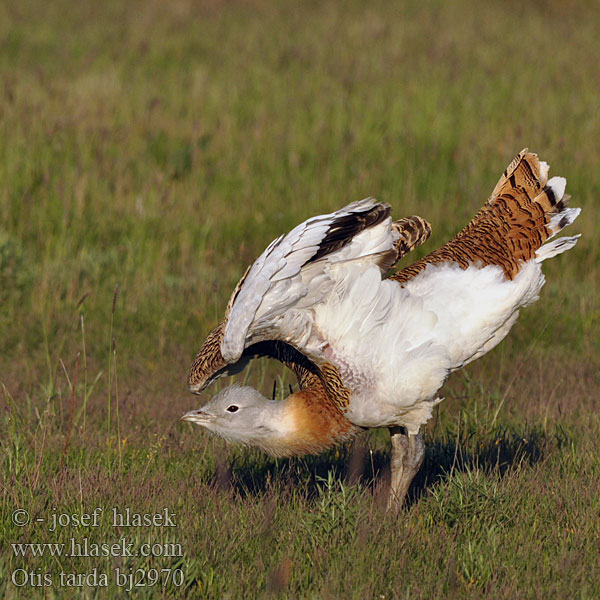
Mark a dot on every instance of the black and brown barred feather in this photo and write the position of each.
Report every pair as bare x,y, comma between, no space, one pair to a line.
209,360
413,231
522,174
209,364
510,227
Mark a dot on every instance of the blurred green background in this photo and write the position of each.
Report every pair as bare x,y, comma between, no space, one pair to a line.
159,146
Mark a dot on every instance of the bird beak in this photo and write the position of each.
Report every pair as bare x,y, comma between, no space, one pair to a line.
198,416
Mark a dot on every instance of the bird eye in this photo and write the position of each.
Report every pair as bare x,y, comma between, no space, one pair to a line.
233,408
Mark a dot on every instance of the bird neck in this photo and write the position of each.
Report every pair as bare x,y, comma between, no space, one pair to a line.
307,423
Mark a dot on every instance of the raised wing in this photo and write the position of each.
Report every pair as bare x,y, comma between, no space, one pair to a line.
293,274
271,303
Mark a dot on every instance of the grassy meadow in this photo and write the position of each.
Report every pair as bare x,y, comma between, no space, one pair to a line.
148,152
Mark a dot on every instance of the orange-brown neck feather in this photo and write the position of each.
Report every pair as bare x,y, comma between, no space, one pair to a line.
310,423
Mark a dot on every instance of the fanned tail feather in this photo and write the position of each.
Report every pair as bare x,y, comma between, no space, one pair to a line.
526,178
524,211
556,247
554,201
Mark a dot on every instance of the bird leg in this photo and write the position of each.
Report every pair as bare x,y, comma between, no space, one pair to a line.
408,452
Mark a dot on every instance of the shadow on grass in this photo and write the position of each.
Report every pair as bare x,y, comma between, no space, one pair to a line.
500,454
253,473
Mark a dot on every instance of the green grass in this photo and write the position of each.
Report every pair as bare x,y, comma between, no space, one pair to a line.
160,146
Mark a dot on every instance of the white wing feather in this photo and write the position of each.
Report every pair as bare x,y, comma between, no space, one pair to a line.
282,286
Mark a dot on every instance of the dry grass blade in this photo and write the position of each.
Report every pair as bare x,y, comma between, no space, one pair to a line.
72,408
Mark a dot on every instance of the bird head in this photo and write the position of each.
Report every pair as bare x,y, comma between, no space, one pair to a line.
239,414
300,424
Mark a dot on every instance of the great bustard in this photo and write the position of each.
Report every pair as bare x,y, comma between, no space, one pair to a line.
371,351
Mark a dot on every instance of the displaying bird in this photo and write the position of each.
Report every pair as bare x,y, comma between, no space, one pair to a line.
369,350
